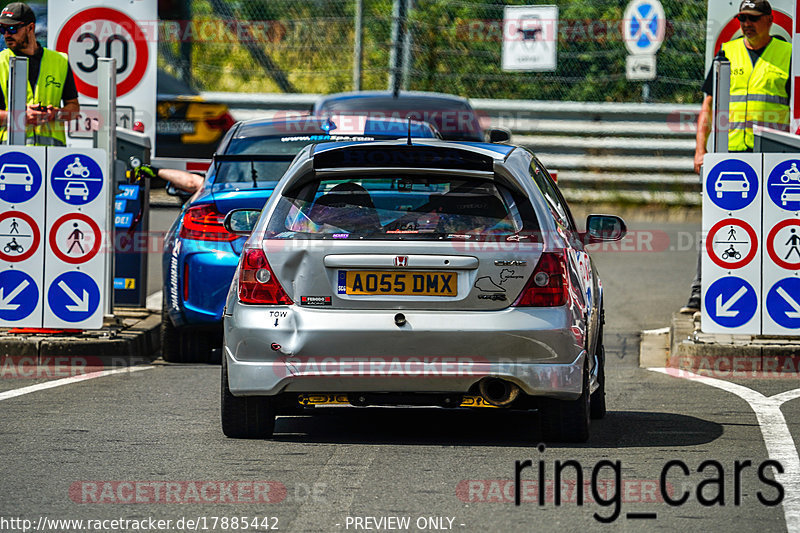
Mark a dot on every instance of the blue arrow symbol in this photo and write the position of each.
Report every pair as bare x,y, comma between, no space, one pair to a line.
791,302
724,309
5,304
81,304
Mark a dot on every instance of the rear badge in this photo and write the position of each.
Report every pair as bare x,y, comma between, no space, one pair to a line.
315,301
510,263
500,297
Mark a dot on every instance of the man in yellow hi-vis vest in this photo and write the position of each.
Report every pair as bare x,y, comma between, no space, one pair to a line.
50,80
760,89
760,82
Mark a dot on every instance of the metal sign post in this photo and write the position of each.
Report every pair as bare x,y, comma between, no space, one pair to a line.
18,99
720,123
106,139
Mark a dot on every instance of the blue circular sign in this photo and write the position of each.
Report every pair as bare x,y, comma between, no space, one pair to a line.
20,177
73,296
783,185
732,184
783,303
644,26
19,295
76,179
731,302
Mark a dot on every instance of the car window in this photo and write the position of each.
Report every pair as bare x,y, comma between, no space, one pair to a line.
400,207
453,118
558,206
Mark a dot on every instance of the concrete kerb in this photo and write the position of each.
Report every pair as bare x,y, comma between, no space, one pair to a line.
135,341
683,346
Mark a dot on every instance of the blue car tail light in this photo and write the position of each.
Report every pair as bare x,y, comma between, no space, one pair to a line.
204,222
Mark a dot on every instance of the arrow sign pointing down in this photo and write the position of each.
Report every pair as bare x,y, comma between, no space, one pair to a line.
81,304
791,302
724,309
5,304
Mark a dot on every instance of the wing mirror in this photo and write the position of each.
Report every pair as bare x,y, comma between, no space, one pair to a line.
241,221
498,135
604,228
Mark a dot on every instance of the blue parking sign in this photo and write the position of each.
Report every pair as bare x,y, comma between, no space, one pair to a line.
76,179
73,296
731,302
20,177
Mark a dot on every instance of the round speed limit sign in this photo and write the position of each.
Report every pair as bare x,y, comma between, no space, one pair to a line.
103,32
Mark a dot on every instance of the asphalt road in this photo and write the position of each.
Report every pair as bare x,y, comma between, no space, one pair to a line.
147,445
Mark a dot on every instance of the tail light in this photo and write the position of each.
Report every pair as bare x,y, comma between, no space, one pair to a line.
548,284
222,122
204,222
257,283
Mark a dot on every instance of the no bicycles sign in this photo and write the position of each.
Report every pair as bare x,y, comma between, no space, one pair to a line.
88,30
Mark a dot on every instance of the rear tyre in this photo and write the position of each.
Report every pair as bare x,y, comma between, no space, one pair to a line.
188,345
597,402
567,420
170,337
245,417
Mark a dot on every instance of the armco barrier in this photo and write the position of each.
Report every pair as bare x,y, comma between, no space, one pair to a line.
602,151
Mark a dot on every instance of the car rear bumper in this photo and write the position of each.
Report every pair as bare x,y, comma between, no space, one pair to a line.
277,349
196,285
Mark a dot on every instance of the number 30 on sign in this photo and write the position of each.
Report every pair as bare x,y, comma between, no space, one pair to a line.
104,32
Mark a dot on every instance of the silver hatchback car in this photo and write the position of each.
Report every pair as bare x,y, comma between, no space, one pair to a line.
415,273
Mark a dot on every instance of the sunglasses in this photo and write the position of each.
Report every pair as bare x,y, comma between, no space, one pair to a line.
11,30
750,18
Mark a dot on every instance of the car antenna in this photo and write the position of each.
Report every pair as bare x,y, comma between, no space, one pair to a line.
409,130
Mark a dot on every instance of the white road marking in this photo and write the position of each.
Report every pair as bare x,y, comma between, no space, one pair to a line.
153,301
658,331
66,381
777,437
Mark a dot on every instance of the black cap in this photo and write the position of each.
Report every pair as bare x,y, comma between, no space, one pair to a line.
755,7
17,13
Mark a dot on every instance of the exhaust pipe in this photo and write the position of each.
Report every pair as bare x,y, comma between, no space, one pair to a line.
498,391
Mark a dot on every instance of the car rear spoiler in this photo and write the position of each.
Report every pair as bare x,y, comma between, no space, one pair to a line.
403,156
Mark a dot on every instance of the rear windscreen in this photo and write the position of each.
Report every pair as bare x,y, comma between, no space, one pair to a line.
454,119
413,207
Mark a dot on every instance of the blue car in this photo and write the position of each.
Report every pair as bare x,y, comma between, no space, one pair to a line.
452,115
200,256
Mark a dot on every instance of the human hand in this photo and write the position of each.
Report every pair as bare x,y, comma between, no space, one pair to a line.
35,114
142,172
698,159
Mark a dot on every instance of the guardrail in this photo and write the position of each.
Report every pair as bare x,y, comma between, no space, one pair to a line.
604,151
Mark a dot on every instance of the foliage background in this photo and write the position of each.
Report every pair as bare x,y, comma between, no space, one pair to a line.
455,48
